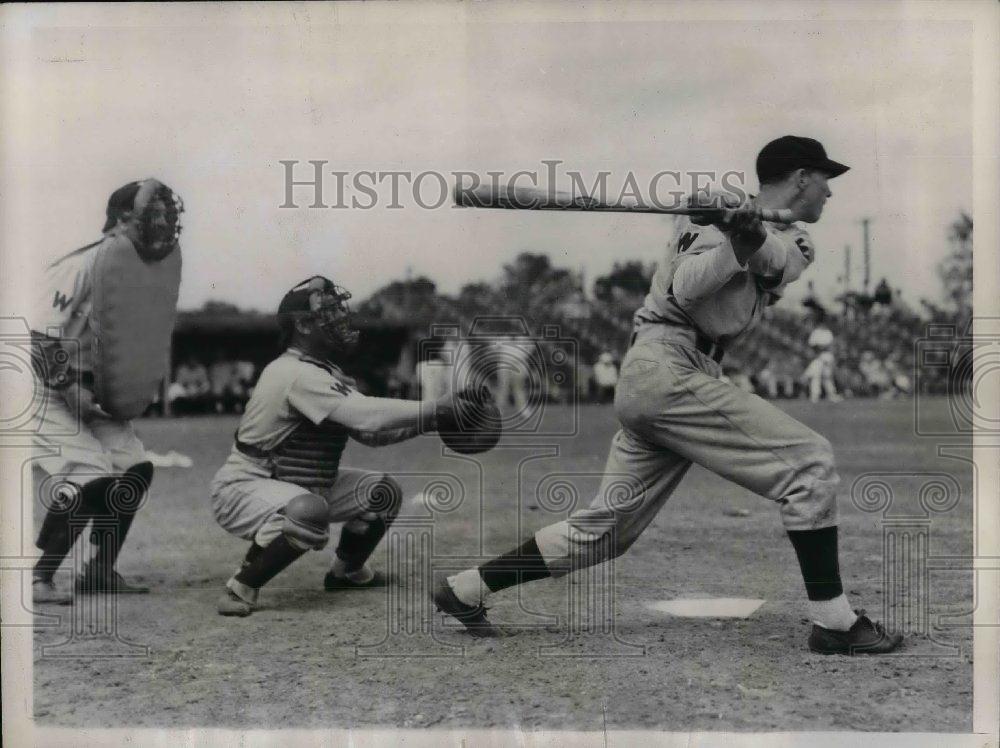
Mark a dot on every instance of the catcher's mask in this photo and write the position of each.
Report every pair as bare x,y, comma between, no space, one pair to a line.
323,303
152,212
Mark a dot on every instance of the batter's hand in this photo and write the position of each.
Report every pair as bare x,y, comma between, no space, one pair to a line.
740,221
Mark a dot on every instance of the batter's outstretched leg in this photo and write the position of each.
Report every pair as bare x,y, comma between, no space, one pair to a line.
638,480
754,444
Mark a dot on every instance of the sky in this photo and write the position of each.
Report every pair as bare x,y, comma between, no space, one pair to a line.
211,100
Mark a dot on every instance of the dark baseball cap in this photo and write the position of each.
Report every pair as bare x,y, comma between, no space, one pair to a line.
300,298
791,152
122,201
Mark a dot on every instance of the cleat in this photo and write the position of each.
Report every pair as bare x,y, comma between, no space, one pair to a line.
91,582
231,604
333,583
44,591
473,618
864,637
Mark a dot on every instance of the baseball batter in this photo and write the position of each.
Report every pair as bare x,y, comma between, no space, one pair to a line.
283,484
89,465
719,274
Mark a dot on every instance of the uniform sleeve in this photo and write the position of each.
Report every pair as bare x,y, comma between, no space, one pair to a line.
65,289
697,275
317,395
799,255
384,420
770,260
320,396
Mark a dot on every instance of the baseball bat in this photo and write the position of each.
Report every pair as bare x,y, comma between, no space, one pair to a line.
511,197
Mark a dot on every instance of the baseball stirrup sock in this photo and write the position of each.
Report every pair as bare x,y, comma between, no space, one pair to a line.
61,527
275,558
817,553
523,564
122,502
835,614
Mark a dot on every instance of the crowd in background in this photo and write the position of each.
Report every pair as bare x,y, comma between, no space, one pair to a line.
563,344
224,386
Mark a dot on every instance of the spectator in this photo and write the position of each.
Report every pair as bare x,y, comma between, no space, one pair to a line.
226,390
512,366
819,373
434,374
767,382
605,377
191,391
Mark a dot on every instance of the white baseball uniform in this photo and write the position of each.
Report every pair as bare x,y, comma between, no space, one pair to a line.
675,410
64,445
296,391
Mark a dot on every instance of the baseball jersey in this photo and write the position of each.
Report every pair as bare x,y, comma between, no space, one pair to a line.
701,284
295,386
63,308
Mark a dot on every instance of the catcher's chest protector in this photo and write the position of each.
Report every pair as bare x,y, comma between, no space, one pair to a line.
134,307
310,455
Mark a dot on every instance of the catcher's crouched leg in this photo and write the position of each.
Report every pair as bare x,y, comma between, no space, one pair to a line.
361,535
302,524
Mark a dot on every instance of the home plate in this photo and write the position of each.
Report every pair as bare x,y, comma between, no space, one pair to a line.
711,607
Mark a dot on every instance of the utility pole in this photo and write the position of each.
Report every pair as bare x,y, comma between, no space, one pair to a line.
867,255
847,268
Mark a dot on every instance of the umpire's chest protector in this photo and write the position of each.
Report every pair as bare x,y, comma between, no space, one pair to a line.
132,318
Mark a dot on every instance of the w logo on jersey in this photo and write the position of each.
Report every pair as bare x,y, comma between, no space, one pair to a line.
340,387
685,242
62,301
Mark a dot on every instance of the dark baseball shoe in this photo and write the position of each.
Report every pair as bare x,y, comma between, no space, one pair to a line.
473,618
45,592
333,583
232,605
864,637
91,582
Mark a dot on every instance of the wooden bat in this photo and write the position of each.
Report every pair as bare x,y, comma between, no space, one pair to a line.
534,198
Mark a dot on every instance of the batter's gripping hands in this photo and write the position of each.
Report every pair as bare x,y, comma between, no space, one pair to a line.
742,222
724,211
469,421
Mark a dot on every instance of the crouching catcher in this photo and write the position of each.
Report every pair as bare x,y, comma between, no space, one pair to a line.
282,485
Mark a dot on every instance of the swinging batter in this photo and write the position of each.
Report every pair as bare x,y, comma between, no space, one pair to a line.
721,270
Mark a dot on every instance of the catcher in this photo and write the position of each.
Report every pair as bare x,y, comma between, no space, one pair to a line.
99,341
282,485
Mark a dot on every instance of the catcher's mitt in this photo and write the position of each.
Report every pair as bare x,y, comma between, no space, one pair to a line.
469,421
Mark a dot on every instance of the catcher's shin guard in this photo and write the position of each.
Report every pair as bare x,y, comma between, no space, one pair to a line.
122,502
260,567
360,536
65,520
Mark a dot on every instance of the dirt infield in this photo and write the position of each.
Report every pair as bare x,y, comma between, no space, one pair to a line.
312,658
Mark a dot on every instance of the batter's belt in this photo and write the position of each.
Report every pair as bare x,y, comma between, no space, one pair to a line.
685,336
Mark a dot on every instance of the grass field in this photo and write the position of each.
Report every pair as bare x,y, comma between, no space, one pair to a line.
312,658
